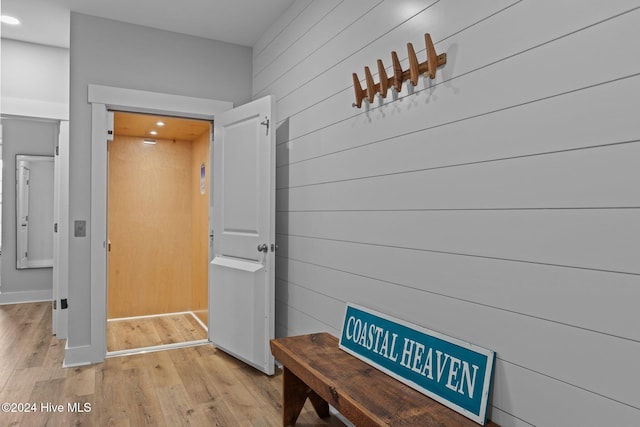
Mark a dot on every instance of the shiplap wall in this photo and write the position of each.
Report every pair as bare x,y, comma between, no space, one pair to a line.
498,203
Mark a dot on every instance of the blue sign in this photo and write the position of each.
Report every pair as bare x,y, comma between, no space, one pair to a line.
453,372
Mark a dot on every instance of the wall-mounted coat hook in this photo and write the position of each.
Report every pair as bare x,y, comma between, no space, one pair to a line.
428,68
385,81
372,88
360,93
397,72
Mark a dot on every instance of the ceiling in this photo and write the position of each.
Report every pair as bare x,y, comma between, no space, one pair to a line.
140,125
240,22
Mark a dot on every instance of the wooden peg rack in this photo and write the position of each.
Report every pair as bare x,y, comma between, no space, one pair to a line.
428,68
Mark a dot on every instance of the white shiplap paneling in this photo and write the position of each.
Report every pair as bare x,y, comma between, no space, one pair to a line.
565,353
602,239
558,67
574,116
337,15
540,181
576,297
279,36
496,203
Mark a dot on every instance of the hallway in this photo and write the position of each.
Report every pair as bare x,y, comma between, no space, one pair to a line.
195,386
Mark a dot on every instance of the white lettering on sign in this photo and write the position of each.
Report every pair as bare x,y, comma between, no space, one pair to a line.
372,337
457,374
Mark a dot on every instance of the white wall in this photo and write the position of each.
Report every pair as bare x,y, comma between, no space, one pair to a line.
33,137
35,80
498,203
117,54
34,85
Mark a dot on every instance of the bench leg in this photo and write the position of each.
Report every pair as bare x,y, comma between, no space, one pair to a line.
294,394
319,404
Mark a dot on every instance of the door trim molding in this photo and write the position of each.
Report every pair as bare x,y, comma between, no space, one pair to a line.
102,99
141,101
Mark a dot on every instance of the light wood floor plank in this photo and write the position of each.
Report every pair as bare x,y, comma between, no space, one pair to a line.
127,334
191,386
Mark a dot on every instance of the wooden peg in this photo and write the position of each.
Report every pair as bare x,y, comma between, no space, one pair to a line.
432,57
397,72
414,66
360,93
384,80
371,86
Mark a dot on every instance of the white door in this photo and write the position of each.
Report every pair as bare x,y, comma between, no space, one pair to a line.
241,279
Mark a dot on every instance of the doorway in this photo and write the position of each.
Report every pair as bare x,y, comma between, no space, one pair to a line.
261,113
158,239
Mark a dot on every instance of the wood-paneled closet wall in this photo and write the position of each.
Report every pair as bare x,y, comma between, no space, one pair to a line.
158,226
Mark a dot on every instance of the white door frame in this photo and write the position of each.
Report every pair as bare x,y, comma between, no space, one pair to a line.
60,321
103,98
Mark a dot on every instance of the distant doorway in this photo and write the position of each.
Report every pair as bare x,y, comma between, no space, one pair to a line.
158,239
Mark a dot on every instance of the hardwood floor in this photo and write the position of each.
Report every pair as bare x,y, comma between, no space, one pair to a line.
126,334
195,386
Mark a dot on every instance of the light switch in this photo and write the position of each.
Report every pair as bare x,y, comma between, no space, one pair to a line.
80,228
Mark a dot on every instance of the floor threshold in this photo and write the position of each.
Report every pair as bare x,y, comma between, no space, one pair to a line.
151,349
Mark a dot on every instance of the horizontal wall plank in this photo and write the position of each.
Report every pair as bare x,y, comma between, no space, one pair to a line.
587,299
565,122
317,305
543,401
559,351
596,239
503,418
292,321
599,177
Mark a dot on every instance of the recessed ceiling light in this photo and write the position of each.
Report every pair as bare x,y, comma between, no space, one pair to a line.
6,19
153,132
160,123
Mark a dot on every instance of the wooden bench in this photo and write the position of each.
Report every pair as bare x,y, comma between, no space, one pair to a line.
315,368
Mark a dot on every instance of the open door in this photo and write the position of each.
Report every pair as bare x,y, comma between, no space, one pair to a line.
241,279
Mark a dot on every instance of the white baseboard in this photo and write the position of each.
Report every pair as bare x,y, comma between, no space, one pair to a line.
25,296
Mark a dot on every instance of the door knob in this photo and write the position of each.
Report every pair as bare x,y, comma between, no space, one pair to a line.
263,248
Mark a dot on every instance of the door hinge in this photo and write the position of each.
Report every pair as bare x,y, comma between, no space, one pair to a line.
55,304
274,247
109,125
55,227
63,304
266,123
